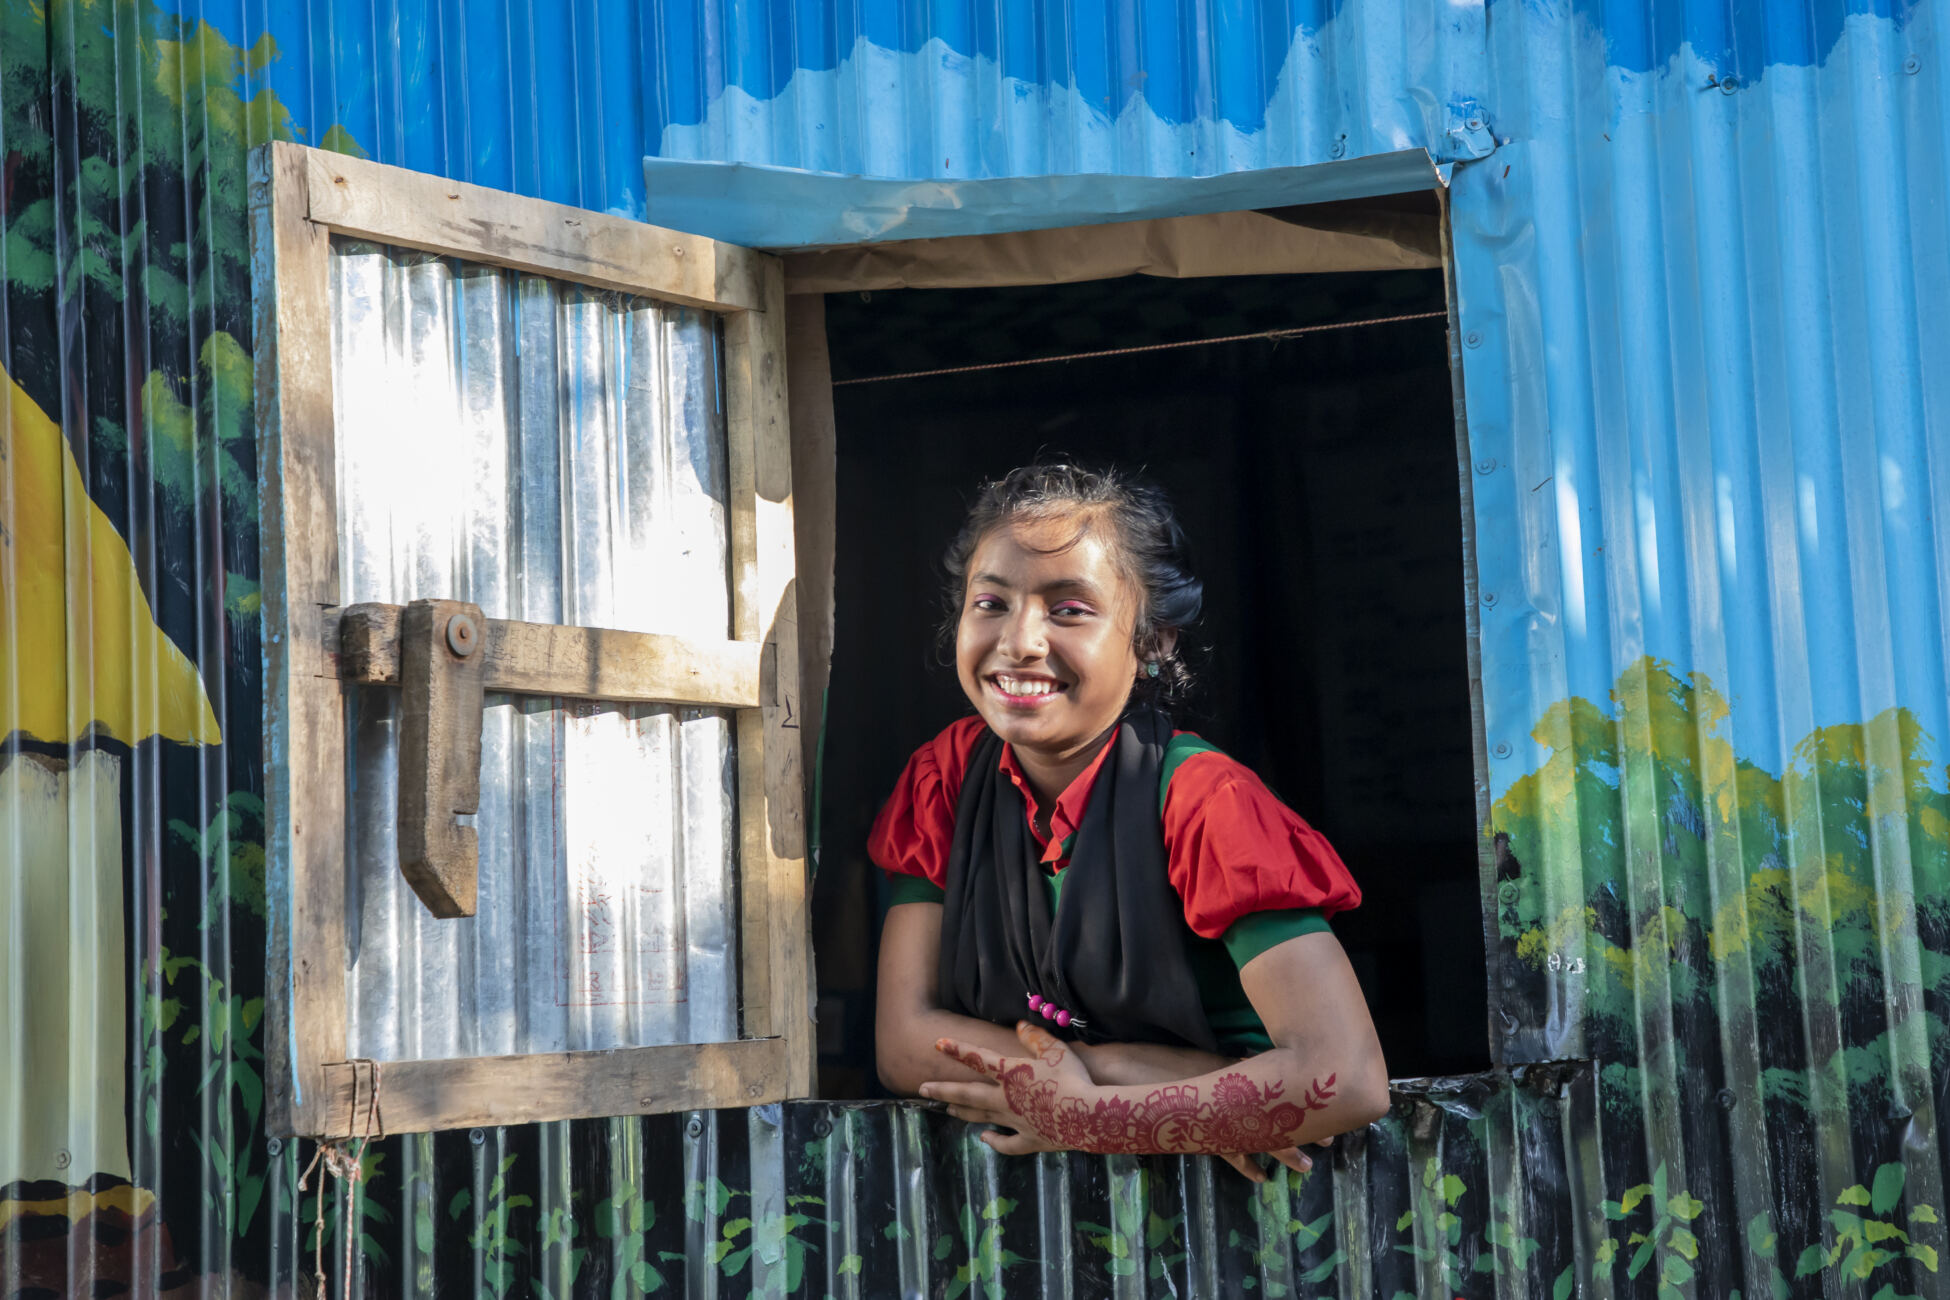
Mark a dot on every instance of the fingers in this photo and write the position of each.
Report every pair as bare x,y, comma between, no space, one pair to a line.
979,1095
1016,1144
1246,1165
1293,1158
984,1063
982,1115
1041,1042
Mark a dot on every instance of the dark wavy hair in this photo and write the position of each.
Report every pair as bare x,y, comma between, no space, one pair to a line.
1149,546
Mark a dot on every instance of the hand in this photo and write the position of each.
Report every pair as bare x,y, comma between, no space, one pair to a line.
1023,1091
984,1103
1028,1093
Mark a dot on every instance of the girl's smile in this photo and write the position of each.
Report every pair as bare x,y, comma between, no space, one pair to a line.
1043,645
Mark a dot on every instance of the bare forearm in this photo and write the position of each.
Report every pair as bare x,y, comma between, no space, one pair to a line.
905,1054
1138,1063
1270,1101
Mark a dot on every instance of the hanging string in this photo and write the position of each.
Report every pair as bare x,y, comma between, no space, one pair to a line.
1294,332
348,1167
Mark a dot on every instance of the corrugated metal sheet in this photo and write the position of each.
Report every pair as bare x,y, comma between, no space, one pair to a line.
1702,275
553,456
1709,454
1475,1185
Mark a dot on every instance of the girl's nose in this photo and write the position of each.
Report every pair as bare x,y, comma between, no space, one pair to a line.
1023,637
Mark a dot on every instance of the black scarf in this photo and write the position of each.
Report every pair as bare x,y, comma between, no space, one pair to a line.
1114,954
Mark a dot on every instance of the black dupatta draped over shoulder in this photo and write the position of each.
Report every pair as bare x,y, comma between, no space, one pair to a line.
1114,952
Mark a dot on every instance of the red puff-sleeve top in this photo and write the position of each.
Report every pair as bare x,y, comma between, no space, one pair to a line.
1250,871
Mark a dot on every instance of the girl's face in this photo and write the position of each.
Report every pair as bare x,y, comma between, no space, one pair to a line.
1043,648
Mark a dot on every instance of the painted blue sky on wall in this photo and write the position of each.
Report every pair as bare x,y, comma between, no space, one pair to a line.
661,65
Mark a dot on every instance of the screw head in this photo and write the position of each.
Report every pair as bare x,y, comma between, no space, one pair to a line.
694,1128
462,635
822,1128
1474,124
1501,749
62,1159
1912,65
1473,339
1338,148
1487,465
477,1136
1728,85
1726,1099
275,1147
1489,598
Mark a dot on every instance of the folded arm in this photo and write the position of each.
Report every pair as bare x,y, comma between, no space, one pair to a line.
1325,1074
909,1021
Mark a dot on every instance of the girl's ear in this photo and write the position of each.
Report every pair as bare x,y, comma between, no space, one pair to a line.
1157,647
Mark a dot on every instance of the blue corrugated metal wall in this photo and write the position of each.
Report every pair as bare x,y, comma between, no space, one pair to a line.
1702,261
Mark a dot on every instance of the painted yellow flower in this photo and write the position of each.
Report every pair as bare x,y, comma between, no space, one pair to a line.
79,645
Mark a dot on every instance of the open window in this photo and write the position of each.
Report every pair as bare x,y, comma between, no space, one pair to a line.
1288,378
534,776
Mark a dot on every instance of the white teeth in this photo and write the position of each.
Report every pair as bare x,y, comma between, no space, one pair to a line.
1025,686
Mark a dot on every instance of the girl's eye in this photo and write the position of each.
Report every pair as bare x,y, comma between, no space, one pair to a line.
1070,609
987,604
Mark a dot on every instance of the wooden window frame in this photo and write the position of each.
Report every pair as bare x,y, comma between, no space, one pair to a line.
300,198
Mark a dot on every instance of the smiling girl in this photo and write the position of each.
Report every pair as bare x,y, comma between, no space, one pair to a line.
1106,935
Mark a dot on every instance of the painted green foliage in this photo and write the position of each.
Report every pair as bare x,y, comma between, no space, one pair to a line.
1783,938
1654,862
127,280
1436,1230
1659,1232
768,1251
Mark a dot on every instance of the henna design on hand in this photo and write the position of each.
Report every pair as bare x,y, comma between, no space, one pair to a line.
1241,1115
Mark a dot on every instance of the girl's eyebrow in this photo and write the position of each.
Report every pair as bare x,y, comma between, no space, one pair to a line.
1081,586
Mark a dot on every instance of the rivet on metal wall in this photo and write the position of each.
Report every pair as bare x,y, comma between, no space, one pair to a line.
61,1159
1728,85
1501,749
1474,124
1489,598
477,1136
274,1148
822,1128
1726,1099
1912,65
1473,339
694,1128
1487,465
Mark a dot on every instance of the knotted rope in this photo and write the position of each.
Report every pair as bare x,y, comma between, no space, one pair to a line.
348,1166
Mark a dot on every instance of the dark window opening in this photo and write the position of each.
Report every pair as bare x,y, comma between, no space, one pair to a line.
1317,477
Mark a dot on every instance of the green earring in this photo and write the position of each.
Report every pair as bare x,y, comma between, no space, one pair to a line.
1151,669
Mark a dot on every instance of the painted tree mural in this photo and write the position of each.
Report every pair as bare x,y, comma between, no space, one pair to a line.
1758,959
